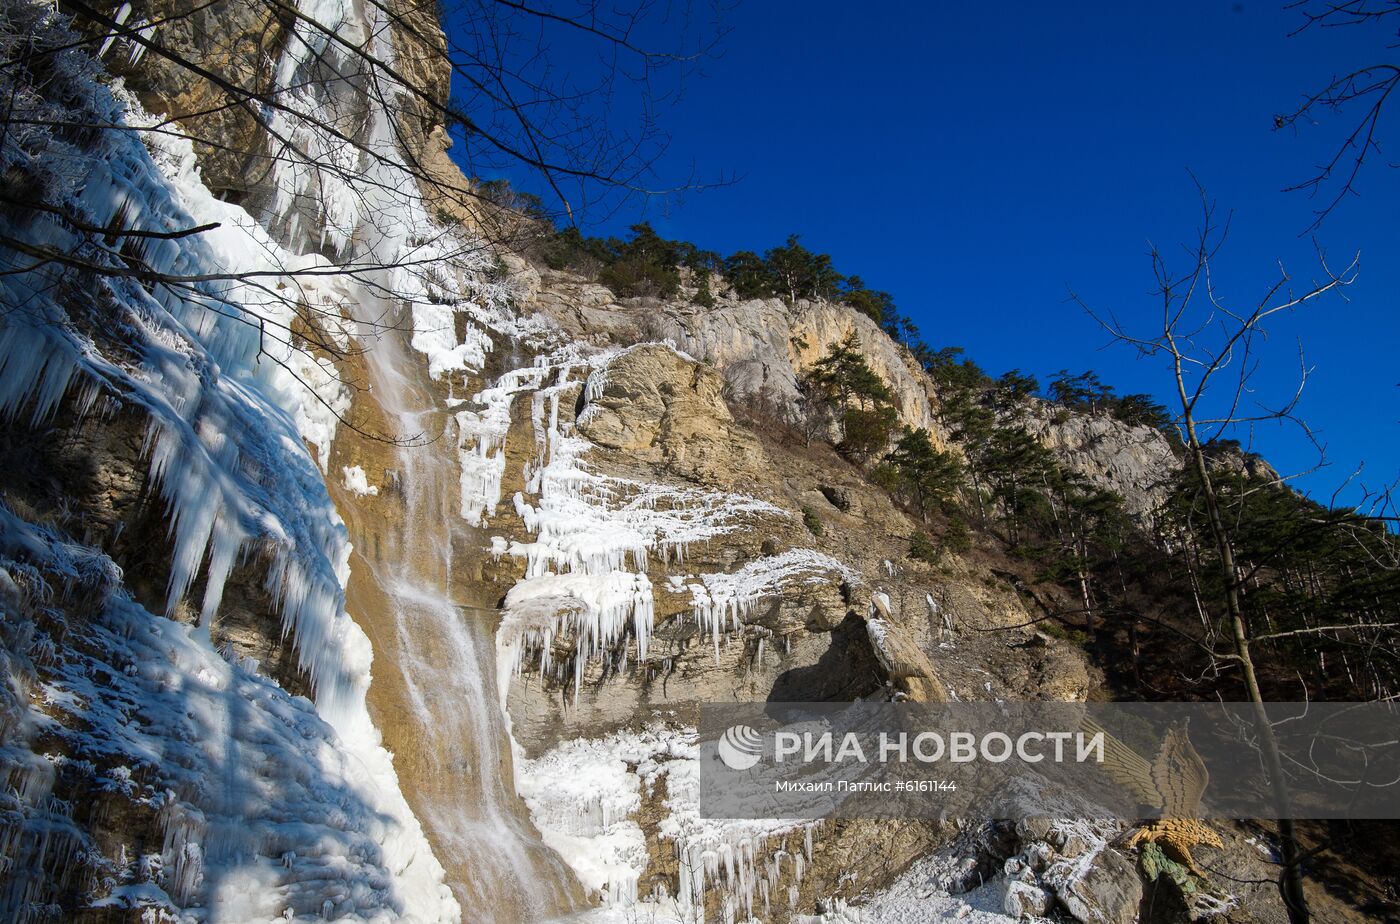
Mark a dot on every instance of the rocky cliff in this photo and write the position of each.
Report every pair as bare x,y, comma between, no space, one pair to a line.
343,578
760,347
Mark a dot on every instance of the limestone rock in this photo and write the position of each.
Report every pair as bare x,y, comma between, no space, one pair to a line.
1228,456
840,498
1135,462
1025,900
907,667
240,41
661,407
761,347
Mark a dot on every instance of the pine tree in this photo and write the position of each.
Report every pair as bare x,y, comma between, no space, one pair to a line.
1015,385
858,398
932,477
748,274
1017,467
875,305
799,273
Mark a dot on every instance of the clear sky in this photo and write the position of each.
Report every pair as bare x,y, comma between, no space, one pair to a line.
977,160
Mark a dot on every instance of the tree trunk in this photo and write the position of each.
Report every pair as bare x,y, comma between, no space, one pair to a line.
1291,882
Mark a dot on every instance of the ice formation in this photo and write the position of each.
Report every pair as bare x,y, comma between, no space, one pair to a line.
264,808
227,403
593,537
357,482
593,534
598,610
482,437
722,601
585,795
588,522
230,403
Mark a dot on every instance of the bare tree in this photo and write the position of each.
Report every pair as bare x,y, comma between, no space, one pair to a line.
1210,351
1365,91
592,139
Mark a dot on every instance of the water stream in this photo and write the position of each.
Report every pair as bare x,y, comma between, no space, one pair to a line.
434,690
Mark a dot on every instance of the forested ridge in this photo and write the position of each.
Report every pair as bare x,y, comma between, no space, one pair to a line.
1321,583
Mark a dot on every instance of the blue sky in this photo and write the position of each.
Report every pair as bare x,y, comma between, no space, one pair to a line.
977,160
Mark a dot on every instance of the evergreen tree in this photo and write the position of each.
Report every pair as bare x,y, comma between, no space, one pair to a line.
866,430
799,273
570,249
950,368
647,264
749,275
972,425
1089,528
1142,410
859,399
872,304
1018,467
1083,392
1014,386
930,476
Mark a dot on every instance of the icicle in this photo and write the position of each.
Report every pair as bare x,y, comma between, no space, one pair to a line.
119,18
722,602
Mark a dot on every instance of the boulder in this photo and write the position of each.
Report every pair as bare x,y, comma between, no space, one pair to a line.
1104,891
905,665
1025,900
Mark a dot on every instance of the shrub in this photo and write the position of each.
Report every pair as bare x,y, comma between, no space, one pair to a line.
957,537
1064,633
921,548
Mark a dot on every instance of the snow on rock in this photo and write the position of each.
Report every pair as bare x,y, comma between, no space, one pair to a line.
356,481
941,886
910,901
879,632
1091,881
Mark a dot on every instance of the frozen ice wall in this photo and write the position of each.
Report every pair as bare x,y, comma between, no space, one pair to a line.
270,806
592,538
264,810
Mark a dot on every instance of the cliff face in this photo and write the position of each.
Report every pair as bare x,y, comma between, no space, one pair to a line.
760,347
527,503
1135,462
